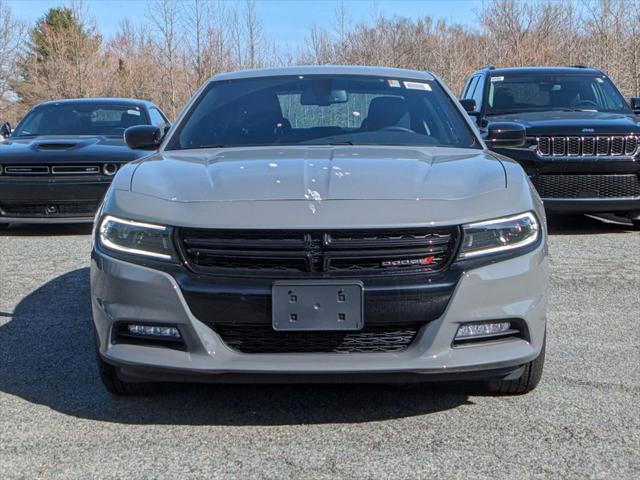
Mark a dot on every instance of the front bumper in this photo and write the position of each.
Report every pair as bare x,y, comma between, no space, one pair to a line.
513,288
582,185
51,200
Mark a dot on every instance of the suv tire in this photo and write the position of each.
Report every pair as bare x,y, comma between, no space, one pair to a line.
116,386
527,381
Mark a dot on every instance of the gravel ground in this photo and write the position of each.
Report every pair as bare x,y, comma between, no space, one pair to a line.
583,421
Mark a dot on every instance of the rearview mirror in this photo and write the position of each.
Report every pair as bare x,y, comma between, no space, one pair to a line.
634,102
5,130
143,137
505,134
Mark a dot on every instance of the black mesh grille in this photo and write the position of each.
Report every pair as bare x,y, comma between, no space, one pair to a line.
74,209
263,339
557,144
614,146
303,252
588,146
602,146
587,186
573,146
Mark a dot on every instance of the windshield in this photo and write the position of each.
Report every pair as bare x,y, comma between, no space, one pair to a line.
79,119
322,110
532,93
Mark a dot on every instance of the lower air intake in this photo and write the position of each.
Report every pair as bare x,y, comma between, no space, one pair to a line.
263,339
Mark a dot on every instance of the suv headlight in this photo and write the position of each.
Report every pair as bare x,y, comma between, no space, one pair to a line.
499,235
136,238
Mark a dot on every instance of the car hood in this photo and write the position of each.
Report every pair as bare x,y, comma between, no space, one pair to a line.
318,173
67,149
573,123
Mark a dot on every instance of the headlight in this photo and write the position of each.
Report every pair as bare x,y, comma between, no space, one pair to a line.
136,238
499,235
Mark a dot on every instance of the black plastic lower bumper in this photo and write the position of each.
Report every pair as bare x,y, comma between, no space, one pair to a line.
158,374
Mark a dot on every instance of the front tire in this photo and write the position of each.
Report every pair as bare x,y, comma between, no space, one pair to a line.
114,385
4,226
527,381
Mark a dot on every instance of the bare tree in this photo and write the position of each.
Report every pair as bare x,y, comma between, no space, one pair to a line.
12,37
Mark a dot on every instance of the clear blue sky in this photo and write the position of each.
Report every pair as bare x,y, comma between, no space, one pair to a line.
285,21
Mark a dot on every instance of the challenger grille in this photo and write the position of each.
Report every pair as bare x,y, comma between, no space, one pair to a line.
60,209
587,186
264,339
54,169
616,146
308,253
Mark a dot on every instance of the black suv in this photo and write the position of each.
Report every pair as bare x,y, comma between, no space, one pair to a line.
583,139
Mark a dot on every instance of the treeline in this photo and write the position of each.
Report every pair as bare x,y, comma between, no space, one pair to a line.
182,43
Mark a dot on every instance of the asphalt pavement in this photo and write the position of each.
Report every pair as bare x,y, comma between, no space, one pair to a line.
583,421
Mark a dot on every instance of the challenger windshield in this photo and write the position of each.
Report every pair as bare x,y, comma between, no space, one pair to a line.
535,93
80,119
322,110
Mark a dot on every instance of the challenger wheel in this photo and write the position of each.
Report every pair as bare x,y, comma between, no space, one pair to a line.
115,386
527,381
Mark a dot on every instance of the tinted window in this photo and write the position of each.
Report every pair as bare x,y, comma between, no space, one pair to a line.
156,118
321,109
79,119
478,93
553,92
471,87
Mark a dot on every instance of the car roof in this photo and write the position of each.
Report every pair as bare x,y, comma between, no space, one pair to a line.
99,101
326,70
542,70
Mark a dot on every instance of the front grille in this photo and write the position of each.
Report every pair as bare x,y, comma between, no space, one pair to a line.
311,252
52,169
371,339
74,209
587,186
615,146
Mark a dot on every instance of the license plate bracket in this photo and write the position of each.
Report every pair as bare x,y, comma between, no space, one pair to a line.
317,305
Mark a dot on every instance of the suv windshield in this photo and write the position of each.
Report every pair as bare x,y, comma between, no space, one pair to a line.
532,93
79,119
322,110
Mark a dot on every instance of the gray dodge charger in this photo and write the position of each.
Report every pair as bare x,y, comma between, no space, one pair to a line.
321,224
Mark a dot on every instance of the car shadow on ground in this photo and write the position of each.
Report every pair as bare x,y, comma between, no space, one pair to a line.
47,357
46,230
587,224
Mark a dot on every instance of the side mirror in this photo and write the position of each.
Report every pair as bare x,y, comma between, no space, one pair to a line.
469,104
143,137
634,103
505,134
5,130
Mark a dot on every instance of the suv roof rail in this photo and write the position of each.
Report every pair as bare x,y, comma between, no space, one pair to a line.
488,67
578,66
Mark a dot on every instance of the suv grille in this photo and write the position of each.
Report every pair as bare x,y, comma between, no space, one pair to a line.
301,252
264,339
75,209
587,186
617,146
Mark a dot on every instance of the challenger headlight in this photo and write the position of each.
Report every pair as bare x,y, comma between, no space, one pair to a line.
499,235
136,238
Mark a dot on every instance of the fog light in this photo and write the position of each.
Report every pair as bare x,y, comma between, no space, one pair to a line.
478,330
153,331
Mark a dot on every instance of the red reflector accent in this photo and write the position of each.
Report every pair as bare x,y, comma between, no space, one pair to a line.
426,260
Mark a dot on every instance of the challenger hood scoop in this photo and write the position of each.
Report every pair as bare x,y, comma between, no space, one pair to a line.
318,173
55,146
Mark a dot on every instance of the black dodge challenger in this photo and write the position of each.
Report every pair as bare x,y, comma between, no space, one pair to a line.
59,161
